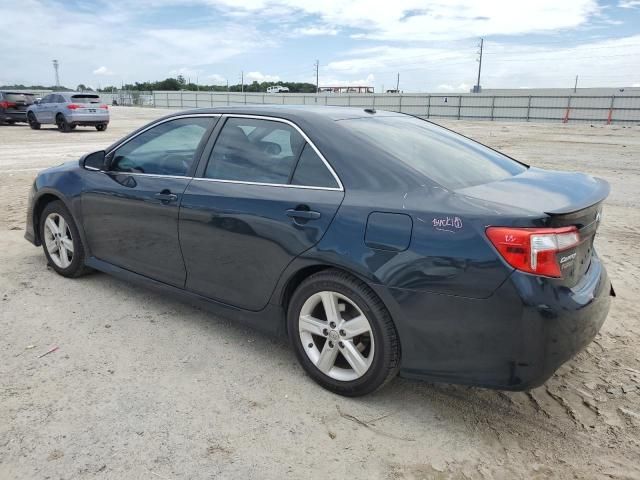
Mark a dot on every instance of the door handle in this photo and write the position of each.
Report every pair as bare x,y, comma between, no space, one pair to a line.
166,196
303,214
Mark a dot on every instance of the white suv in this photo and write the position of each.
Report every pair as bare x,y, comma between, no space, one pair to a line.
277,89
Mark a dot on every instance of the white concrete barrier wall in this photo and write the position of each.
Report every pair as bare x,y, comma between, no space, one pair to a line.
533,108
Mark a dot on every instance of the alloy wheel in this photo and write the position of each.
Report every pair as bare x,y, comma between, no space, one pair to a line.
336,336
58,240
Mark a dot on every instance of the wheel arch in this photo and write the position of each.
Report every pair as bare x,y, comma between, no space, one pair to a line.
283,295
44,199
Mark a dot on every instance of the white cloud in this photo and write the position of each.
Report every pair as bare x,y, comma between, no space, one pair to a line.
186,72
318,30
368,81
217,79
135,52
102,71
430,43
417,20
260,77
629,3
446,88
602,62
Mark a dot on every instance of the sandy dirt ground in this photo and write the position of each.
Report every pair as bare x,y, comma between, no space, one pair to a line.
144,386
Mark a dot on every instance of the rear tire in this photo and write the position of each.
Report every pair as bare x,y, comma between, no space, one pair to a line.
102,127
62,123
33,123
61,240
350,348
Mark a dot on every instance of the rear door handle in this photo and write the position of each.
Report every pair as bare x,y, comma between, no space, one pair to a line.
166,196
303,214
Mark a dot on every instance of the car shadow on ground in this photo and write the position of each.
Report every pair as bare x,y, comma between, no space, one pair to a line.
445,402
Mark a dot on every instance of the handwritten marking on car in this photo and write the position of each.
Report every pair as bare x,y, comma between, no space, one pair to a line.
447,224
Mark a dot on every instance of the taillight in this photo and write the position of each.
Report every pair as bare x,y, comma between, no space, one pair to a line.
533,250
73,106
5,104
105,107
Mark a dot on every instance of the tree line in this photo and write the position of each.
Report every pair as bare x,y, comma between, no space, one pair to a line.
177,84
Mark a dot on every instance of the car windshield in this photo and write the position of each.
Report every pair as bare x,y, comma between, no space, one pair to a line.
86,98
445,157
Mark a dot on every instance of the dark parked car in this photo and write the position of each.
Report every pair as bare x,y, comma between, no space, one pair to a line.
13,106
378,241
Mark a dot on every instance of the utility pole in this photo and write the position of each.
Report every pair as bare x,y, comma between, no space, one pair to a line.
55,67
397,83
227,84
575,86
477,88
242,81
317,67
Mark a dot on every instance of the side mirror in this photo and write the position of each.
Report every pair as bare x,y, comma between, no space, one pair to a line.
94,161
36,101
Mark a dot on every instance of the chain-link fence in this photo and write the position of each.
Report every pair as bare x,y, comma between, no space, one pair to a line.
606,109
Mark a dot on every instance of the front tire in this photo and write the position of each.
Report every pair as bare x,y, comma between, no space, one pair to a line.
342,334
33,122
62,124
61,240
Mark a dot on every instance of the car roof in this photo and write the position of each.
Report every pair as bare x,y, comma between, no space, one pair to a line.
297,112
15,93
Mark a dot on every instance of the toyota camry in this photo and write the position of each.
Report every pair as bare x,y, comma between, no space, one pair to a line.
378,242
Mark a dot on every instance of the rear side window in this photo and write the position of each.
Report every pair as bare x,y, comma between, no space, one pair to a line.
445,157
254,150
311,171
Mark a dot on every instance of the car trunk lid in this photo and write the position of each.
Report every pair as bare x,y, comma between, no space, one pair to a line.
561,199
87,103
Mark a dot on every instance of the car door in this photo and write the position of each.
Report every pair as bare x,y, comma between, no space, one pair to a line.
130,212
41,109
255,205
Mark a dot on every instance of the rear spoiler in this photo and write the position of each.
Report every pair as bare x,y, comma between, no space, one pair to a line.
595,195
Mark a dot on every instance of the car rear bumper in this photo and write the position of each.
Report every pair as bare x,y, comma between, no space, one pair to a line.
13,116
88,118
514,340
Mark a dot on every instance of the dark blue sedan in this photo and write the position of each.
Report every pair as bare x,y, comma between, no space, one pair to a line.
381,243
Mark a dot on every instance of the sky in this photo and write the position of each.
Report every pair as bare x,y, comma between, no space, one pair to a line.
432,45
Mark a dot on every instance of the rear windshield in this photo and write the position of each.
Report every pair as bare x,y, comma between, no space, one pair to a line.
19,97
86,98
445,157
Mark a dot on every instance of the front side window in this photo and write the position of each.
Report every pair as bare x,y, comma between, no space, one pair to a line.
166,149
255,150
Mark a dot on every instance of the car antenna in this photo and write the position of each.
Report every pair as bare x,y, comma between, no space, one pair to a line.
370,110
